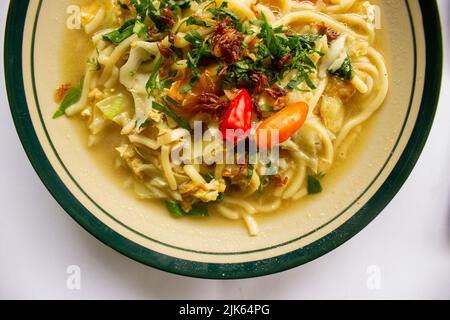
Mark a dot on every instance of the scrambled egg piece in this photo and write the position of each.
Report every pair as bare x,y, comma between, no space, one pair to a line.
206,193
128,154
88,12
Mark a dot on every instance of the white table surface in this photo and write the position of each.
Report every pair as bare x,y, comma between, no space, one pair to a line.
407,247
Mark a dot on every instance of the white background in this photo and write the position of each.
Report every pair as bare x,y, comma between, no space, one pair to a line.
409,242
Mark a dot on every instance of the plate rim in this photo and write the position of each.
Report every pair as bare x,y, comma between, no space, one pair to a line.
19,109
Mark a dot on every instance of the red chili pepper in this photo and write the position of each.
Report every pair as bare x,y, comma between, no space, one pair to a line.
238,117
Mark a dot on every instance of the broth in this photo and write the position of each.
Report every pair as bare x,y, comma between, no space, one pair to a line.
76,44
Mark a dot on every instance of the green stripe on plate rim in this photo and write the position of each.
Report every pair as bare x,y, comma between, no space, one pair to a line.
16,95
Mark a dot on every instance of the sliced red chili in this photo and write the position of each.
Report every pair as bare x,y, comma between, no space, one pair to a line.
237,117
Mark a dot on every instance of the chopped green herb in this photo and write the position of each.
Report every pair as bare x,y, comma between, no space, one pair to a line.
192,64
265,180
208,177
176,210
175,4
193,21
220,197
142,7
221,14
314,185
302,76
200,210
276,45
199,51
170,113
266,108
167,83
72,96
187,87
144,124
124,32
94,62
345,72
172,102
273,42
141,30
250,172
152,83
146,8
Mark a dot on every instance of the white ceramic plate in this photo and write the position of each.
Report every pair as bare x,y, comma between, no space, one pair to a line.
215,248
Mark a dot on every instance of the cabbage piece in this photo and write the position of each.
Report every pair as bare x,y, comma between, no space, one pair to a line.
129,69
332,113
337,51
112,106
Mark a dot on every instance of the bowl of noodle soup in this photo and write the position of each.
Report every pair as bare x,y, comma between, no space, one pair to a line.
223,139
